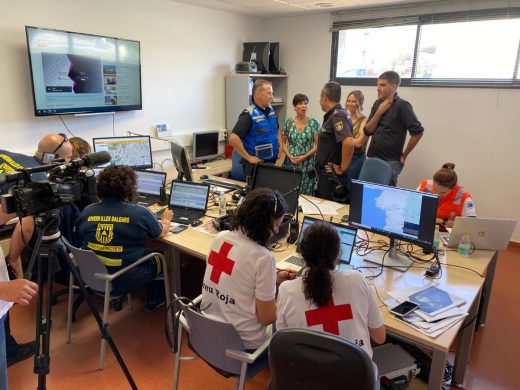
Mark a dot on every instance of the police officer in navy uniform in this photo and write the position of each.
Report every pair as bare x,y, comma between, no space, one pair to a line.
335,146
255,135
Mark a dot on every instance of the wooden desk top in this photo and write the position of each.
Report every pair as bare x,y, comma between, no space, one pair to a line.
460,281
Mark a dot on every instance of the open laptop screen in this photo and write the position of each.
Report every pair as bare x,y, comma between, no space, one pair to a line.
150,182
347,237
189,195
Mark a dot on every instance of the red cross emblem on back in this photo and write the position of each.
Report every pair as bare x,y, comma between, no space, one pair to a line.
221,262
329,316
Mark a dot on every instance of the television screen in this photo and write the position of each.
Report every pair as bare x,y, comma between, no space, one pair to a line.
83,73
135,152
257,52
205,145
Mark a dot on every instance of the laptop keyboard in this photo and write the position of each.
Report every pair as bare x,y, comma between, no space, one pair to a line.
296,260
183,215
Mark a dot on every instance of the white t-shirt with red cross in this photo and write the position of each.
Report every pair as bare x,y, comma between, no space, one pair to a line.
238,271
349,314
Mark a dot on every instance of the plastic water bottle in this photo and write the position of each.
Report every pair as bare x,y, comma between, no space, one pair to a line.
222,206
436,238
464,244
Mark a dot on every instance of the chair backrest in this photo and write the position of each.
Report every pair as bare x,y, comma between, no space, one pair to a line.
375,170
210,338
237,172
89,264
308,359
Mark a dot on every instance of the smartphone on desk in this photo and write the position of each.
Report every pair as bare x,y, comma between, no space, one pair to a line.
179,228
404,308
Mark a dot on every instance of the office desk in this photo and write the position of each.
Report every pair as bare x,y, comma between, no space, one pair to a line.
462,282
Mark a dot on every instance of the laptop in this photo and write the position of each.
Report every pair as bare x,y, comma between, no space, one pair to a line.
485,233
188,201
149,186
347,236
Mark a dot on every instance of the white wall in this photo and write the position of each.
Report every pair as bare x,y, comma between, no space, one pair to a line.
476,128
185,53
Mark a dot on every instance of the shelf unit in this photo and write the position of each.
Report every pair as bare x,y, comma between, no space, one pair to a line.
238,95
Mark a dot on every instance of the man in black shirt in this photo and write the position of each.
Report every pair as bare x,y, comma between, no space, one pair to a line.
390,118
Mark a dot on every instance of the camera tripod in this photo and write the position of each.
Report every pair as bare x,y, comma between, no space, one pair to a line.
47,250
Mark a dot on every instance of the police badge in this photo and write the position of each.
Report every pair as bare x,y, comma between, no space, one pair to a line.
338,126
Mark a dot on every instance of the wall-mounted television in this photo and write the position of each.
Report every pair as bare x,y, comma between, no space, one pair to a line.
75,73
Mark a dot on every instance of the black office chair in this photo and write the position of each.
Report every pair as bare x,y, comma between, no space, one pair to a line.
305,359
375,170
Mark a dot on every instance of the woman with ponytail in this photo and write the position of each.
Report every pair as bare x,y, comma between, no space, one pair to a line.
325,299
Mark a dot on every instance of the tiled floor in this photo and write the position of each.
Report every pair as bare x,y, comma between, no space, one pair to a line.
141,341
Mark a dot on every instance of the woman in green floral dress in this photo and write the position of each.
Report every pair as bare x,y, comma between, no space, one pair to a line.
299,142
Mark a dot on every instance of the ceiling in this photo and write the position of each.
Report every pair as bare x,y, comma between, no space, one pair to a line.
276,8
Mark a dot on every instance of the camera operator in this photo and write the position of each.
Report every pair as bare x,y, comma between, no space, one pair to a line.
19,291
51,145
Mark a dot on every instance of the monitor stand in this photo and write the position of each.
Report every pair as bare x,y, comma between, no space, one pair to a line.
391,259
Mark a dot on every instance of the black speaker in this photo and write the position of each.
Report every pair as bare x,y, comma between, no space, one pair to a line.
274,57
163,197
293,232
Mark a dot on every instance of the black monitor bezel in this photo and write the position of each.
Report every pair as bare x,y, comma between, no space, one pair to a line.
392,235
82,110
207,156
291,208
128,137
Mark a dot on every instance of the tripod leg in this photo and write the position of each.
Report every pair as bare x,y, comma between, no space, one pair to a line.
105,334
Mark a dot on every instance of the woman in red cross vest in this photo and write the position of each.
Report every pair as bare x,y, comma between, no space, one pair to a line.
454,200
326,299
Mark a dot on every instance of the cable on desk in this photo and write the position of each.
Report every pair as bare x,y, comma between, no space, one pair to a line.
314,204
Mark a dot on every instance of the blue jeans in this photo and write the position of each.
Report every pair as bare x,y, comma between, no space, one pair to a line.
397,167
3,362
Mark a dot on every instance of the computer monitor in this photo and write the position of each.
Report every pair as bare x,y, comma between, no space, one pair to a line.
257,52
284,179
205,145
135,152
398,213
180,160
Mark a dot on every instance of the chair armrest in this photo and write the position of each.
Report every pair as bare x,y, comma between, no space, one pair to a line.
248,357
139,261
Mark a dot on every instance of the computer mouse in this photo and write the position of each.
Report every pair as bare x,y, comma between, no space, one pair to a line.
196,222
203,177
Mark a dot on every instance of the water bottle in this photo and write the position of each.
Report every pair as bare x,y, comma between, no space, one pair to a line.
436,238
464,244
222,206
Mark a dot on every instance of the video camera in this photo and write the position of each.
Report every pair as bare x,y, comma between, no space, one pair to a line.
66,183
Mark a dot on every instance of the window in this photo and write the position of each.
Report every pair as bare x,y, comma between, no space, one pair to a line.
457,49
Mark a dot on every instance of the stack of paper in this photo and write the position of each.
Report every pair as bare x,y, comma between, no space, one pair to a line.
438,309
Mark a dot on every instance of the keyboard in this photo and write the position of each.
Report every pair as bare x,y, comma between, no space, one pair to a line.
186,216
222,184
296,260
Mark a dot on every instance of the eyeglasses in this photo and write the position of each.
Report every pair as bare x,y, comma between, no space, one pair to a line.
65,139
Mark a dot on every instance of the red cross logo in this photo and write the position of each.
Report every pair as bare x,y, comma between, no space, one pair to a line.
221,262
329,316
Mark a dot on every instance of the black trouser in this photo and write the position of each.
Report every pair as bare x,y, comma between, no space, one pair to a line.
327,187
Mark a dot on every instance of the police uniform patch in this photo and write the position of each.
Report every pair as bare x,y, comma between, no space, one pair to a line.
104,232
338,126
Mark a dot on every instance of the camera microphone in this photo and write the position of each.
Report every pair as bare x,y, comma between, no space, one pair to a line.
95,159
90,161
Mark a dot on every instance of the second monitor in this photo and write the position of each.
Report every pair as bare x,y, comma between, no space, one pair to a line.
205,145
136,152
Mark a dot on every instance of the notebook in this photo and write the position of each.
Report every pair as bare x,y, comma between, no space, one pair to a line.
188,201
485,233
149,186
347,236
